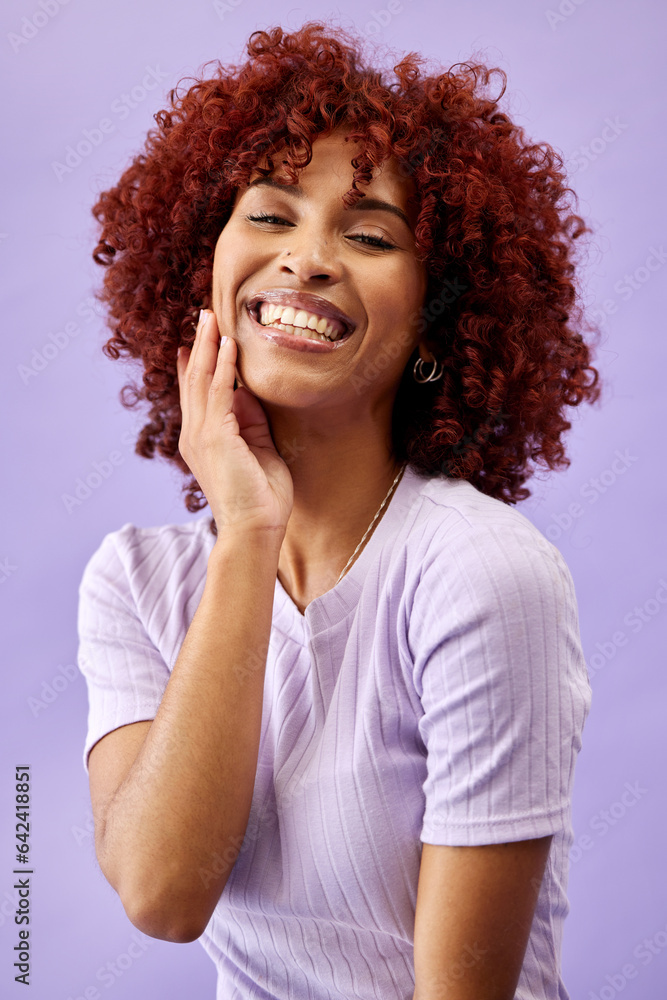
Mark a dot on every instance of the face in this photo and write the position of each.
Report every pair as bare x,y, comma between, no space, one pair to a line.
361,262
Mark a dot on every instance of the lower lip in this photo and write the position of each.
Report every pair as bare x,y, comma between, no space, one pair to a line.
293,341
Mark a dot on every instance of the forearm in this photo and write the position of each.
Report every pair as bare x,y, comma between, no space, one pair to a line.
186,800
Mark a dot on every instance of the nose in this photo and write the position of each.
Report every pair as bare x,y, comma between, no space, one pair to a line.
311,255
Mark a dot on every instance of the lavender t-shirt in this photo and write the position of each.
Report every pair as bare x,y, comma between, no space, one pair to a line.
437,693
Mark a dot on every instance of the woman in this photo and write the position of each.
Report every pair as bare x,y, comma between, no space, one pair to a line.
333,728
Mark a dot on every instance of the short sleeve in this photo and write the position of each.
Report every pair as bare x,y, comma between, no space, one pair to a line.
500,673
125,674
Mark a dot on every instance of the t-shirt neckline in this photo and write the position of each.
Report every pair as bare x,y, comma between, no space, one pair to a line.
335,604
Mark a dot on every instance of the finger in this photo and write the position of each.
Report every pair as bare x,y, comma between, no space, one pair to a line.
221,389
253,424
183,358
195,344
201,369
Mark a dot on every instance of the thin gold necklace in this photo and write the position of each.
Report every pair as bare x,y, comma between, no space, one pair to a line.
391,489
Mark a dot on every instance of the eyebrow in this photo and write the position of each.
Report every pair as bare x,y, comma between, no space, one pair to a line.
364,204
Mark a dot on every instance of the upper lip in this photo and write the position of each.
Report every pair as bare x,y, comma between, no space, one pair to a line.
303,300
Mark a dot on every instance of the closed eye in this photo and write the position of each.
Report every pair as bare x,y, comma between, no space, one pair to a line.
265,217
374,241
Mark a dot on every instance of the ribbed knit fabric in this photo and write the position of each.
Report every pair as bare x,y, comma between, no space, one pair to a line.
437,693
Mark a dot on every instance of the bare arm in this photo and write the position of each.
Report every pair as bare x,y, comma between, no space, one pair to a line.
184,803
475,906
171,798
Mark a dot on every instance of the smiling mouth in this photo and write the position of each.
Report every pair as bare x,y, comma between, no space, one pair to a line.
300,323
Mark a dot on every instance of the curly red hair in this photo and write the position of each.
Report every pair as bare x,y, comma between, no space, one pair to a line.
495,231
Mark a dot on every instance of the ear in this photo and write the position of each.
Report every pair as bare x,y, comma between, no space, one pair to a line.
427,344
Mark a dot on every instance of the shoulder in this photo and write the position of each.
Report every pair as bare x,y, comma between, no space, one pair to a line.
460,538
137,555
449,510
491,600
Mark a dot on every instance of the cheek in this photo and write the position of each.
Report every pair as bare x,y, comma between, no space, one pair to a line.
404,292
228,263
219,267
418,290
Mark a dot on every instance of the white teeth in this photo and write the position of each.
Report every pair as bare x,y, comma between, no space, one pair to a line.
301,322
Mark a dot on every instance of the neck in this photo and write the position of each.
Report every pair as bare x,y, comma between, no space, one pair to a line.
340,476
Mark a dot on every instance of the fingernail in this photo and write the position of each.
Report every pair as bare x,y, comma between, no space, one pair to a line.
202,316
223,340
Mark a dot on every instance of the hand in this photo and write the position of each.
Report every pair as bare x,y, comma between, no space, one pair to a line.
225,438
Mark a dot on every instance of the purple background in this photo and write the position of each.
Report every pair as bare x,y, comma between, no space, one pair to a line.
572,70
